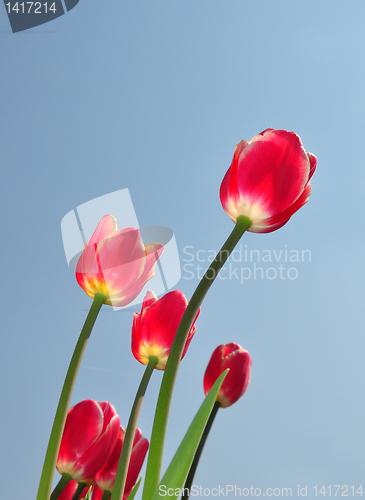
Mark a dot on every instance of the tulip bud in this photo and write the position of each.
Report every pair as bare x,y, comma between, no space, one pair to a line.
238,361
268,180
89,436
116,263
106,476
155,327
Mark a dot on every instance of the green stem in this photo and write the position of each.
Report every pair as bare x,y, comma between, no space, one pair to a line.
121,476
79,490
106,495
61,485
194,465
154,462
45,484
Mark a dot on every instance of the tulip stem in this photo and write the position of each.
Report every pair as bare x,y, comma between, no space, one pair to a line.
154,462
121,476
106,495
194,465
49,465
61,485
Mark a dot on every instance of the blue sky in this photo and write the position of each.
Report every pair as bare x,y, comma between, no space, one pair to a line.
153,97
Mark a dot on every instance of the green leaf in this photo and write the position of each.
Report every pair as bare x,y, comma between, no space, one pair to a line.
179,467
132,494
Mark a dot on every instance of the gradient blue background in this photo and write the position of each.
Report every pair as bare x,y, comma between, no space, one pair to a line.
153,96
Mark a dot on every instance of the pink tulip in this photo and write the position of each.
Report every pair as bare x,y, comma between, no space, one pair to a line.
116,263
106,476
154,329
238,361
90,434
268,180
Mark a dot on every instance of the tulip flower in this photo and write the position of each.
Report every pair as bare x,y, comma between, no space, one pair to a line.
106,476
238,361
116,263
268,180
90,434
154,329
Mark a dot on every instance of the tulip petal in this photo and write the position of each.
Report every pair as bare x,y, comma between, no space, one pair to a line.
149,299
108,412
228,193
68,491
272,172
123,247
95,457
313,164
139,451
106,226
83,427
276,222
188,340
190,336
138,432
125,296
105,477
240,368
97,493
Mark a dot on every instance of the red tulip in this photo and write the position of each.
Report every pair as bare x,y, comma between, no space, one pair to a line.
116,263
90,434
106,476
268,180
238,361
154,329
